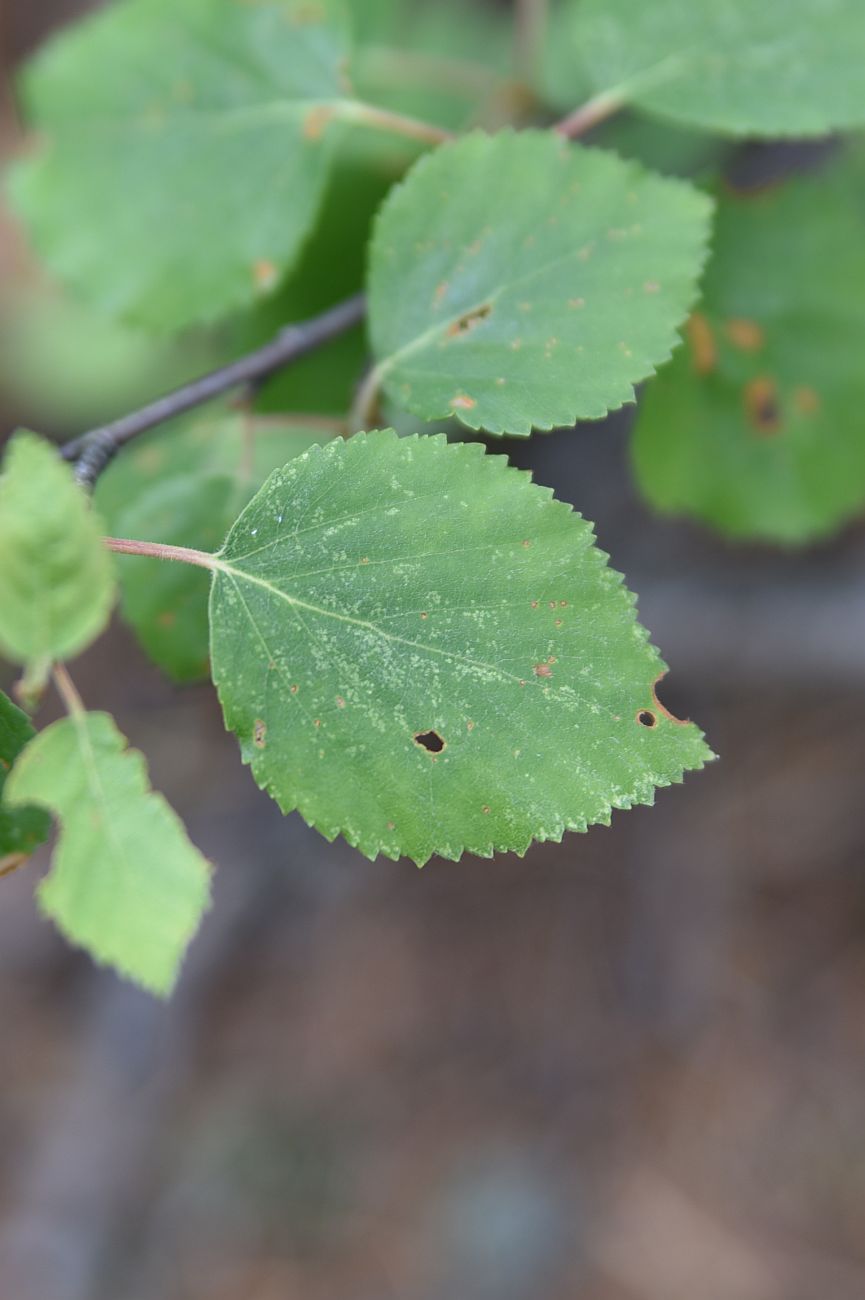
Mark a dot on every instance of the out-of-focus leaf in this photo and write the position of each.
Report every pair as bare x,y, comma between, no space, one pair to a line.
126,884
756,427
185,151
21,829
56,577
743,67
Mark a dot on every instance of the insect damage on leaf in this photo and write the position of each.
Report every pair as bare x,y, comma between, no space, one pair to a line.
527,660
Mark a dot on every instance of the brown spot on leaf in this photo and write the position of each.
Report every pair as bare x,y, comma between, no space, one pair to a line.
470,726
294,690
701,341
486,810
761,405
431,741
646,718
466,323
806,400
745,334
259,734
340,702
464,403
543,670
424,614
167,618
264,274
316,121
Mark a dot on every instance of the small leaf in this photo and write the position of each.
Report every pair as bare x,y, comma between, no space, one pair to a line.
186,485
186,151
517,281
56,577
773,68
21,829
756,427
424,652
126,884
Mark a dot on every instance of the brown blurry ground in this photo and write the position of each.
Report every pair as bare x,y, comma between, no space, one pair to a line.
628,1067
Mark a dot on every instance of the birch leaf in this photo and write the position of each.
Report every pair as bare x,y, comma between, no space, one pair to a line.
21,829
126,884
743,67
424,652
184,151
519,282
56,577
756,427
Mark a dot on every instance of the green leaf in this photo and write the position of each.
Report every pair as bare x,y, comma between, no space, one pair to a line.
424,652
520,282
757,427
185,486
56,577
773,68
186,151
23,829
126,884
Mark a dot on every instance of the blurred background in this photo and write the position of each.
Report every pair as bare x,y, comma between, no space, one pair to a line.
627,1067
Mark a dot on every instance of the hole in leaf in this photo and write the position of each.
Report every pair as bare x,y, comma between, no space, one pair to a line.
470,320
647,718
431,741
661,707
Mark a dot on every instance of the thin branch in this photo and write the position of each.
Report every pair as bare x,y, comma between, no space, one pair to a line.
66,689
364,409
161,551
590,114
382,119
92,452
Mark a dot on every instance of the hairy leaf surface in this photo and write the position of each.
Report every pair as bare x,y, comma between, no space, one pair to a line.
744,67
21,829
186,151
56,577
422,651
185,486
756,428
520,282
126,884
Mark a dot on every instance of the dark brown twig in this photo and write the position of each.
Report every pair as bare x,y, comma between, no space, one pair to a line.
93,451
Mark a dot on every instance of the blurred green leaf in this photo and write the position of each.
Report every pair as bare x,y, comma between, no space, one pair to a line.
56,577
422,651
756,428
743,67
549,316
21,829
126,884
185,151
